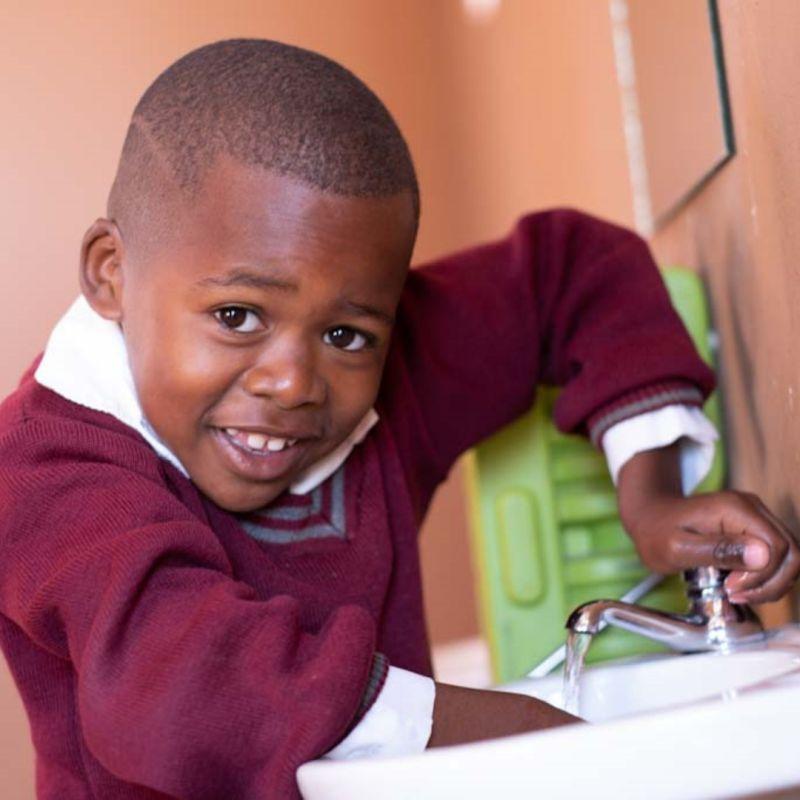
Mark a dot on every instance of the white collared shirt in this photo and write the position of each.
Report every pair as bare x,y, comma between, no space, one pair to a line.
86,362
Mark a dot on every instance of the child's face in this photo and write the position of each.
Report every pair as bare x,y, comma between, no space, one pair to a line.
267,313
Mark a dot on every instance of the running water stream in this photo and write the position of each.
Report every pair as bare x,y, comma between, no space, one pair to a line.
577,645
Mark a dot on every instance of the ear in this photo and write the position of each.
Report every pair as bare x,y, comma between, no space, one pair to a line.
101,268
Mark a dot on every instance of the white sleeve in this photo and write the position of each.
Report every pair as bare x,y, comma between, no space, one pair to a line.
399,722
661,428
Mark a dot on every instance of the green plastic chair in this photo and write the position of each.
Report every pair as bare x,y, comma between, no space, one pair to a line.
546,535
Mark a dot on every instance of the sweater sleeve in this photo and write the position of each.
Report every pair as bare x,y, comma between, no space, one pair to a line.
186,682
565,300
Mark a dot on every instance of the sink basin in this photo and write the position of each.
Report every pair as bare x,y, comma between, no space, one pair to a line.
700,726
636,687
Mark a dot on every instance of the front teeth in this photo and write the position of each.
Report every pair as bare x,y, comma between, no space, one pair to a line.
258,441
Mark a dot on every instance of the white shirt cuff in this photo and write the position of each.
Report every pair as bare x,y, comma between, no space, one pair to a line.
660,428
398,723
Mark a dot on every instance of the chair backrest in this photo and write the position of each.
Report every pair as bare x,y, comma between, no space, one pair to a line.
546,535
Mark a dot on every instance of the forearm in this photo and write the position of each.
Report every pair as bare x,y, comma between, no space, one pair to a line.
462,715
647,477
645,481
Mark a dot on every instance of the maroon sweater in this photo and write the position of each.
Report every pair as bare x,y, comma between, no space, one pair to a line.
164,648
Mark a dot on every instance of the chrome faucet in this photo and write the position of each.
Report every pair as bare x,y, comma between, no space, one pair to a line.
712,622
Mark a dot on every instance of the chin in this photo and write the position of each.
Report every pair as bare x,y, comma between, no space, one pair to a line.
242,501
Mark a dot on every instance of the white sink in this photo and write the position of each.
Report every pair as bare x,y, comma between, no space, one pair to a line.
635,687
701,726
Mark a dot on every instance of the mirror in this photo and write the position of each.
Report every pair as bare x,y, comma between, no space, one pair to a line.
675,101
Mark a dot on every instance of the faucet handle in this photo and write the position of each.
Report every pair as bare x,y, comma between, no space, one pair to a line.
727,623
699,578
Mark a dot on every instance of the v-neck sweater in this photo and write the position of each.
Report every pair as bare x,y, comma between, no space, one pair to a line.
163,648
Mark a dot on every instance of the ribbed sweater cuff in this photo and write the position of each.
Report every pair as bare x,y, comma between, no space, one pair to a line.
377,677
641,401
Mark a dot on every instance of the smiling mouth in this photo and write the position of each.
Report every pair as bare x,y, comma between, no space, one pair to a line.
258,443
258,456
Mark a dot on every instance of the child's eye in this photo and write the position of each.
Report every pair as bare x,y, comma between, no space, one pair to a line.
239,319
348,338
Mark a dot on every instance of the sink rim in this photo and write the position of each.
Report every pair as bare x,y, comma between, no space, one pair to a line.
612,753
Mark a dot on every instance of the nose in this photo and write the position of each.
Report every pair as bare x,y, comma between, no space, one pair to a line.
288,375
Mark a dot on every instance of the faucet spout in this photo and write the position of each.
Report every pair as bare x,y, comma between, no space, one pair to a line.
675,631
712,623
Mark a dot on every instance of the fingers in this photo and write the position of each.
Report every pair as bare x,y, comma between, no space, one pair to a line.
735,531
691,547
778,549
774,587
773,582
730,530
726,531
752,542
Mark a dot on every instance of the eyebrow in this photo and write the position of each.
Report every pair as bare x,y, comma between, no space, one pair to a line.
365,310
241,276
247,277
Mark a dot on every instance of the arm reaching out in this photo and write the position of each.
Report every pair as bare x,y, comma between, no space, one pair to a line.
565,300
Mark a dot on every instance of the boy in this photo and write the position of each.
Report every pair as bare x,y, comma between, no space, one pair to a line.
212,481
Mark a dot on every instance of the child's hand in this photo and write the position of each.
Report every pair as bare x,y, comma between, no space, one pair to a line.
463,715
730,530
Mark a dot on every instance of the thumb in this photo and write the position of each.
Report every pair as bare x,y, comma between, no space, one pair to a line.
695,548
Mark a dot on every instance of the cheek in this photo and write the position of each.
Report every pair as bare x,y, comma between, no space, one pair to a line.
352,394
178,374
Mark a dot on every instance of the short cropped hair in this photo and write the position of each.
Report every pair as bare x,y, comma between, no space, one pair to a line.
266,104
